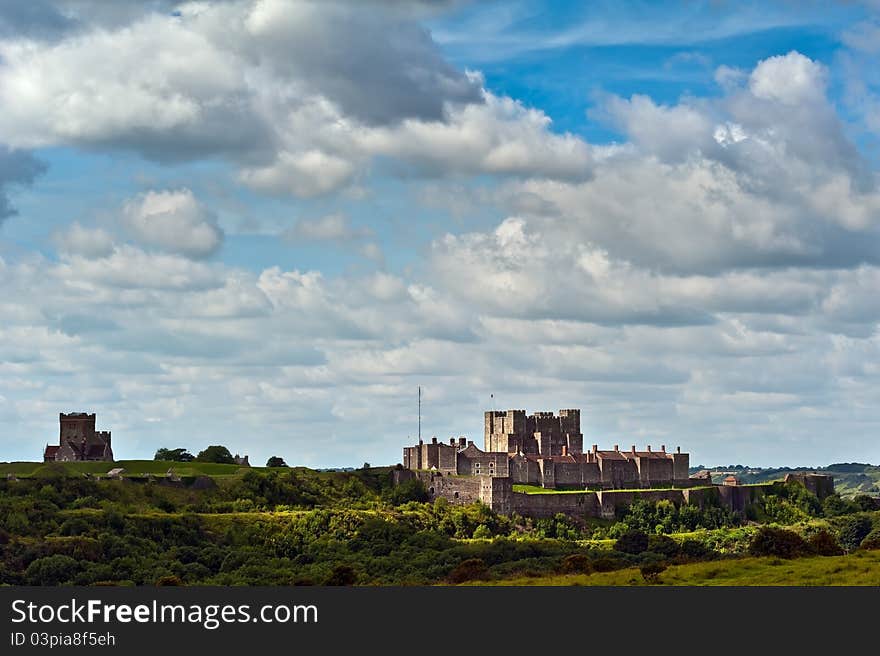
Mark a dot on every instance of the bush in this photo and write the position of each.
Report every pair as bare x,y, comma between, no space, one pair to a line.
605,564
169,581
871,541
822,543
770,541
51,570
342,575
576,564
482,532
632,542
276,461
472,569
663,545
853,530
694,548
652,570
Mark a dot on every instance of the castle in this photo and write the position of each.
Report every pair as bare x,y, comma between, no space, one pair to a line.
546,450
78,440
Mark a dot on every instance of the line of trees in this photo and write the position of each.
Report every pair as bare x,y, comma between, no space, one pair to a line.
216,453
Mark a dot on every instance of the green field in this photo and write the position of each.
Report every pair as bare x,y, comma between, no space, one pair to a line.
860,568
131,467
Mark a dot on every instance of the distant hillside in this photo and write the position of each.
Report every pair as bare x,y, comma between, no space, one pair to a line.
850,478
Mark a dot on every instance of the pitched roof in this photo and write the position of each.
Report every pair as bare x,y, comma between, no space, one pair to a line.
51,451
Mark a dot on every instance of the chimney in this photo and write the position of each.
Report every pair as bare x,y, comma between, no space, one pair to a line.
678,449
470,442
421,441
462,442
595,448
633,449
649,448
663,448
615,448
433,440
452,441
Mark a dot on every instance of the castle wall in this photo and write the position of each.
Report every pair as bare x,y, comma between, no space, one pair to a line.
655,471
822,485
737,497
680,465
618,473
547,505
473,462
577,474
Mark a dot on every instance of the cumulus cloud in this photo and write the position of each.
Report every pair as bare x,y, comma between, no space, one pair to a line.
706,185
173,221
255,82
88,242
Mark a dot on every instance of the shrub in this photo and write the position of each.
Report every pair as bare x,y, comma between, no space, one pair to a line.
871,541
605,564
482,532
472,569
663,545
694,548
632,542
652,570
169,581
853,530
342,575
576,564
770,541
51,570
822,543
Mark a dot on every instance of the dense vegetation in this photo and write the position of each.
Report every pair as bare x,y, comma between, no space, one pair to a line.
297,526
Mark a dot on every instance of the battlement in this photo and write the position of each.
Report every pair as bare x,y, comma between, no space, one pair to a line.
543,432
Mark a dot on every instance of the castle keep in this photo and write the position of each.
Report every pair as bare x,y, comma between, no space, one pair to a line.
78,440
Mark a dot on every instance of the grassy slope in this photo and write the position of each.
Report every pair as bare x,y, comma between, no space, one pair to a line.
156,467
860,568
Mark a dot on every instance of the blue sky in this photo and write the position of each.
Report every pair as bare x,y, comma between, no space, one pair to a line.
264,223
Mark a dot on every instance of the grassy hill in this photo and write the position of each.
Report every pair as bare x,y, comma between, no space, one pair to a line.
153,467
859,568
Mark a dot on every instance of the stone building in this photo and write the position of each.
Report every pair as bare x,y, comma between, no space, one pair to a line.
542,433
78,440
545,449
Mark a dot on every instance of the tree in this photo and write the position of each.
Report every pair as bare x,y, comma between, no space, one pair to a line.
216,453
853,530
174,455
276,461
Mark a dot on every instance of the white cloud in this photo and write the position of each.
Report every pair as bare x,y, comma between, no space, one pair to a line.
88,242
256,83
172,221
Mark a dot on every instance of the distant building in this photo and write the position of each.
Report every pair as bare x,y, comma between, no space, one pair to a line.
730,480
241,461
78,440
